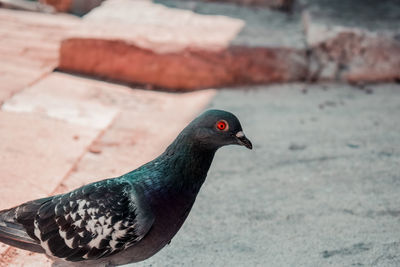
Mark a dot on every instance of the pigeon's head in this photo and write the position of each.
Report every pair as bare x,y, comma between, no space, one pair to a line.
216,128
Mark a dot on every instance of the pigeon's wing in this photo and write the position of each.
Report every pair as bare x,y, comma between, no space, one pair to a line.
92,222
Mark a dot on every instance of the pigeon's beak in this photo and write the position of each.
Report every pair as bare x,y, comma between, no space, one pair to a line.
243,141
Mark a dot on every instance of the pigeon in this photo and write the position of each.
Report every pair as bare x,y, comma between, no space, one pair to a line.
128,218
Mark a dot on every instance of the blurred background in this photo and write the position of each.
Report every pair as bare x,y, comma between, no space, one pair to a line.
91,89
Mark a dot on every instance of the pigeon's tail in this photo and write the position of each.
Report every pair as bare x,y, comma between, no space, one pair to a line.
17,226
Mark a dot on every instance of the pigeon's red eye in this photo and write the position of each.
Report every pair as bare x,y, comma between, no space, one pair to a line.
222,125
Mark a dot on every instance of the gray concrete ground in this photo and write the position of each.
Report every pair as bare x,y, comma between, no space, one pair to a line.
320,188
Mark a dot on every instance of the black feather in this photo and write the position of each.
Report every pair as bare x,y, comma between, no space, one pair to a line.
77,254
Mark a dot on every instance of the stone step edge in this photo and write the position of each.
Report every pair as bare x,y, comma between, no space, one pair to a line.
189,69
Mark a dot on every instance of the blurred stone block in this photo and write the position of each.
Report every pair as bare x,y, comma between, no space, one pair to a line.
56,96
14,77
29,44
187,70
178,49
354,41
158,27
36,153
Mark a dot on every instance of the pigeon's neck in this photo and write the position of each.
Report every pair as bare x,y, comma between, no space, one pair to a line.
189,163
176,175
171,182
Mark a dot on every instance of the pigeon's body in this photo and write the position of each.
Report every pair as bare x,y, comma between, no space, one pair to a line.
124,219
